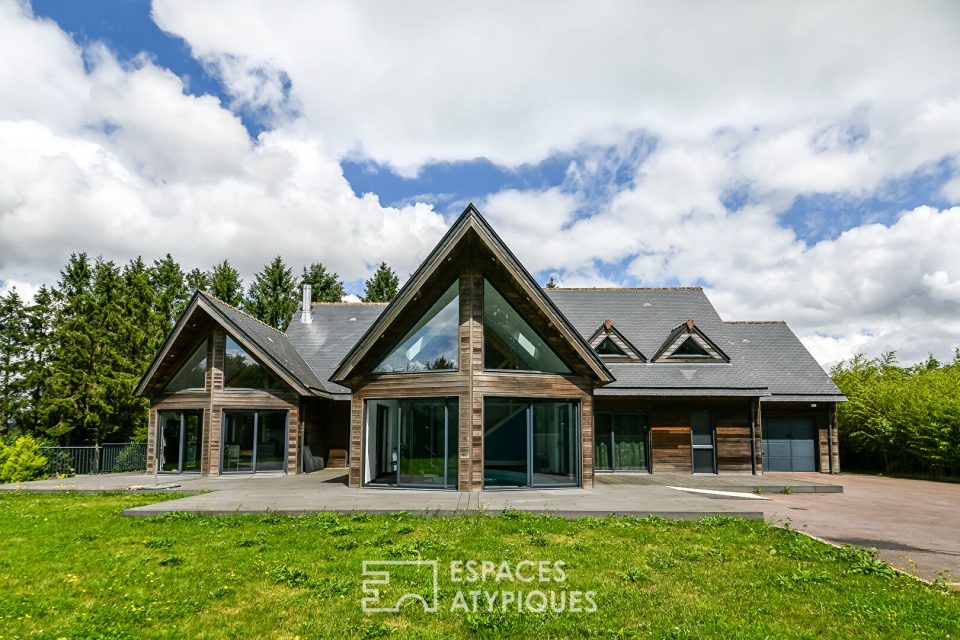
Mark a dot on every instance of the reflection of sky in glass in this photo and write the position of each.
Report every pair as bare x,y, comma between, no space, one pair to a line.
527,351
433,342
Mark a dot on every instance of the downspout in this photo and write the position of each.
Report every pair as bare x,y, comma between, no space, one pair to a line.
831,416
753,437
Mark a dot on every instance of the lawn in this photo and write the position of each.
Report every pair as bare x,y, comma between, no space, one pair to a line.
72,566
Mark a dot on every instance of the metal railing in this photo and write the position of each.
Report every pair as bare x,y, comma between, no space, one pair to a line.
107,458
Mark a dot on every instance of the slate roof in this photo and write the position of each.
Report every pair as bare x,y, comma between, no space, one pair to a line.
647,318
275,344
766,359
780,360
335,329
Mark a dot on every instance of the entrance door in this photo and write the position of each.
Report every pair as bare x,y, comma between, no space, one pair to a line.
412,442
530,443
254,441
620,442
789,444
702,439
178,441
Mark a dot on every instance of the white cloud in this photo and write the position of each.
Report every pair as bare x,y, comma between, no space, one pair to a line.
140,167
407,83
114,158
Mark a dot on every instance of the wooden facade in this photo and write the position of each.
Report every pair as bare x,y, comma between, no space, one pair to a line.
214,399
470,383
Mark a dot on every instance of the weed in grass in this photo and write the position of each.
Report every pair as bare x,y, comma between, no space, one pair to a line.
346,545
801,579
361,516
864,562
374,630
786,491
404,529
289,576
340,530
159,543
171,561
634,575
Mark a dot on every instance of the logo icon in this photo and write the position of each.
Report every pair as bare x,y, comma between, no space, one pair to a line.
414,581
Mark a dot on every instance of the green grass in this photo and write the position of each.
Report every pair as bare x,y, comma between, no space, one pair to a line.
72,566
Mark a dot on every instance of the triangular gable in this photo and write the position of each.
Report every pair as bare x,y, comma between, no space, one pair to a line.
702,348
302,381
471,220
608,332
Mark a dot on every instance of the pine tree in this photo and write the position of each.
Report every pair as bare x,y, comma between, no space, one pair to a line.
326,286
273,295
38,333
551,283
198,280
66,404
225,283
13,351
382,286
169,290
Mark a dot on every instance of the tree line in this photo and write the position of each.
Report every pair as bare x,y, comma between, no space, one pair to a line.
897,419
71,358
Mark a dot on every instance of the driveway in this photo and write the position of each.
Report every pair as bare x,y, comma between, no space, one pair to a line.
914,524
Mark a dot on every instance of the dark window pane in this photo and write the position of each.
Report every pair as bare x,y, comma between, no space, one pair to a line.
192,375
602,442
609,348
509,342
271,440
413,441
703,460
701,425
433,343
504,442
238,439
630,446
241,371
690,348
554,443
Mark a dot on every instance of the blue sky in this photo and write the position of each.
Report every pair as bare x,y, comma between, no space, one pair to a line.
619,155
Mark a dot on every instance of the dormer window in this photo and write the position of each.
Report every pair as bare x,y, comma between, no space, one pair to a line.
608,347
687,343
690,349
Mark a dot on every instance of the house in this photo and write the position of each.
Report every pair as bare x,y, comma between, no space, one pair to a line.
476,377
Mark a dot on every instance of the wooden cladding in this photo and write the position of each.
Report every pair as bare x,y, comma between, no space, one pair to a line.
471,383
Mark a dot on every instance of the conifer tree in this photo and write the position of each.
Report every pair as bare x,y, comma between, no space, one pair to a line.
551,283
169,290
225,283
13,350
326,286
382,286
38,336
273,295
198,280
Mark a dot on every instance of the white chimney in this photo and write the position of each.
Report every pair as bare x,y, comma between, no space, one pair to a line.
307,300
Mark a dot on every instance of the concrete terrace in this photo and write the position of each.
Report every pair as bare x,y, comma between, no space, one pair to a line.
327,491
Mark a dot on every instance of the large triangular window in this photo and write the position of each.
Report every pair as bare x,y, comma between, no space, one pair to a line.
192,375
433,343
689,348
242,371
608,347
509,342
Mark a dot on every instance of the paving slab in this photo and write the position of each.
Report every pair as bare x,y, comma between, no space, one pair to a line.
764,483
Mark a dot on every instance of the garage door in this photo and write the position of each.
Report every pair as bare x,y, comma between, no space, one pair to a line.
789,444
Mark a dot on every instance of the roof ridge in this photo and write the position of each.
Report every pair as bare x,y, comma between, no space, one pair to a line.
346,304
754,322
623,288
240,311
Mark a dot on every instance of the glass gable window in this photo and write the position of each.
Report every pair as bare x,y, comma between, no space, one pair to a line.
433,343
509,342
193,374
690,349
241,371
609,348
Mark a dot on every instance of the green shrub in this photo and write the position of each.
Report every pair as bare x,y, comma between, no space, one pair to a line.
131,458
59,463
22,461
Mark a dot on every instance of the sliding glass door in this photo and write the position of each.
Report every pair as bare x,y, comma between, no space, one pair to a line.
412,442
531,443
254,441
178,441
620,442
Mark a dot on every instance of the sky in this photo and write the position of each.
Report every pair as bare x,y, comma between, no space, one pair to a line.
800,161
